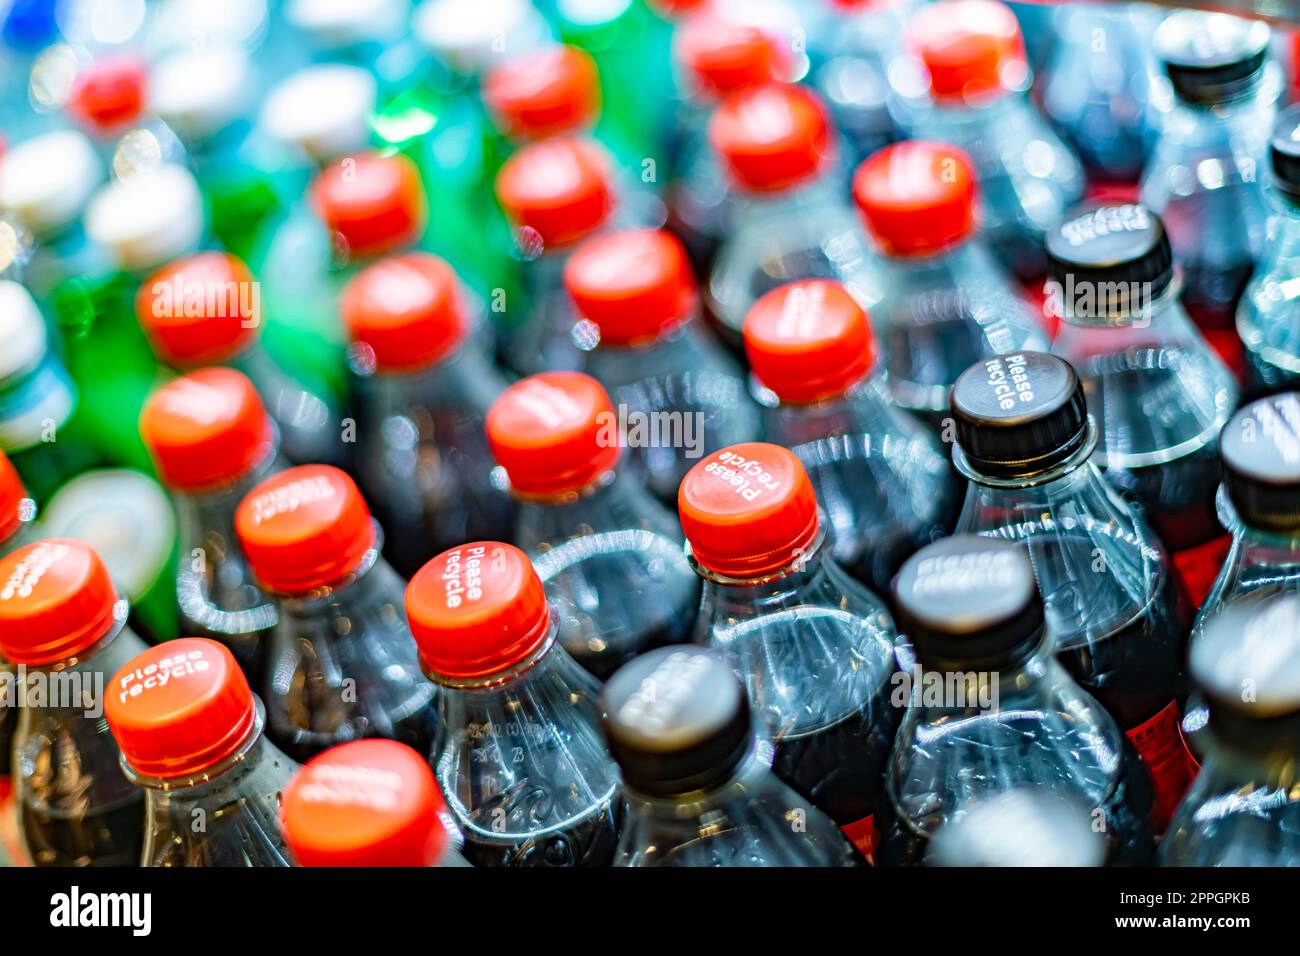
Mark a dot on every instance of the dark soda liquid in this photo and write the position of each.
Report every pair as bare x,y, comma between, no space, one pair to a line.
1177,498
418,731
107,836
1211,291
239,833
588,842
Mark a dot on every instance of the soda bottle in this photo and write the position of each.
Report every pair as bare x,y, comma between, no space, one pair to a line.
814,648
519,755
788,222
660,365
1117,615
368,803
1204,177
64,631
1241,809
340,664
17,510
984,663
1160,394
206,310
1264,315
317,114
697,772
551,91
880,477
608,553
1020,827
971,90
947,302
212,441
190,730
423,386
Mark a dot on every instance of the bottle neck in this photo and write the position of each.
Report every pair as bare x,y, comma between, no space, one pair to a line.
464,378
747,777
253,756
78,684
371,583
614,502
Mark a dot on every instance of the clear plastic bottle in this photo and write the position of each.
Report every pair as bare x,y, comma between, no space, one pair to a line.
423,385
205,310
1117,615
1266,314
212,441
697,775
968,86
777,145
1159,394
948,302
341,664
881,478
1020,827
1244,807
814,648
1204,178
608,552
190,730
64,631
992,711
519,756
664,371
368,803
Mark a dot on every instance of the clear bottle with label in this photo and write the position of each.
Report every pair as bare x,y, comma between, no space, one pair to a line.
1117,614
608,553
1159,393
212,441
666,374
968,85
64,630
423,385
697,774
778,148
369,803
948,302
1204,178
206,310
341,665
881,479
984,664
519,756
814,648
190,730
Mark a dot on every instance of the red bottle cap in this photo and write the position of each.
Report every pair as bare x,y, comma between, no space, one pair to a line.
200,310
748,510
476,610
553,432
179,708
808,340
364,803
14,501
773,136
304,528
633,285
917,197
676,8
552,91
56,600
109,94
372,203
722,56
972,49
406,310
206,429
560,188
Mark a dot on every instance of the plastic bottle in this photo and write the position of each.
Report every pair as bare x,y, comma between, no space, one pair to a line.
1020,828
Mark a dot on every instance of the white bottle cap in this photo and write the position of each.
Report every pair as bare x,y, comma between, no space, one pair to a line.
148,219
333,24
323,110
47,180
471,36
198,94
22,330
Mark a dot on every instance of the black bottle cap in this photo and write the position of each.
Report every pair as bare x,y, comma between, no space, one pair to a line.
1211,57
1259,448
676,720
1284,151
1246,661
969,601
1107,259
1019,414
